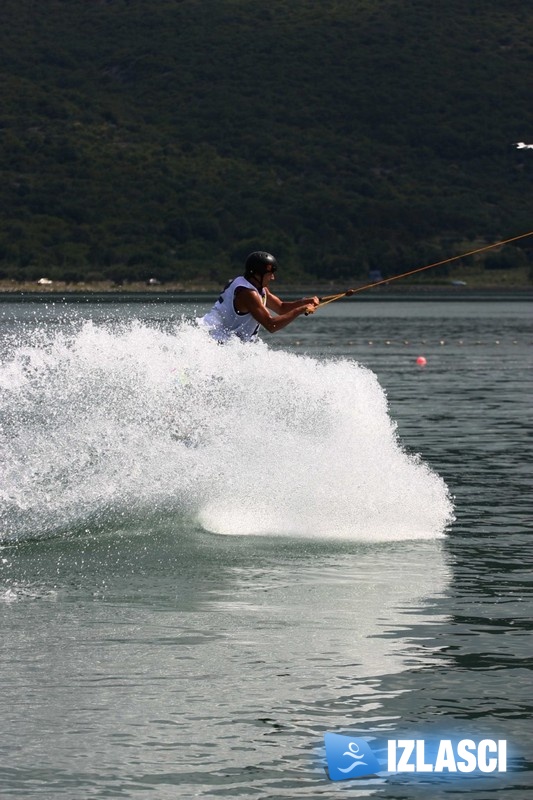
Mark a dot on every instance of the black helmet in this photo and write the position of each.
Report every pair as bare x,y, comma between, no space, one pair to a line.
259,263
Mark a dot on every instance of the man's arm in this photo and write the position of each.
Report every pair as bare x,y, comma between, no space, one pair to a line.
281,307
250,302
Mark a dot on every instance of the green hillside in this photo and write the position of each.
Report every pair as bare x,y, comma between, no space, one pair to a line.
168,138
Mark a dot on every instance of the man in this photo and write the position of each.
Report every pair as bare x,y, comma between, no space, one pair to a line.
245,303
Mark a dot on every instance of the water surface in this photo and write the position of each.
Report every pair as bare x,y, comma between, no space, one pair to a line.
210,559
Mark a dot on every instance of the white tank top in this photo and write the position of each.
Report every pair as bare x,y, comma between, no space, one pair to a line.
224,321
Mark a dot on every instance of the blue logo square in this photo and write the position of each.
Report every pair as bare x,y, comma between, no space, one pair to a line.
349,757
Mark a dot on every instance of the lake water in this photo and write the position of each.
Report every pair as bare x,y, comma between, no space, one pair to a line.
211,556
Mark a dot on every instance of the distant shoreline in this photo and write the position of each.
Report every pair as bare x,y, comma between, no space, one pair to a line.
507,282
107,292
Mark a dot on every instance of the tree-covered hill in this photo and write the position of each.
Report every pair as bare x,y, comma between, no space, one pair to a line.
168,138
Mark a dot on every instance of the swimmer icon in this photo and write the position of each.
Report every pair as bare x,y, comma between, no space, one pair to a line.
349,757
354,751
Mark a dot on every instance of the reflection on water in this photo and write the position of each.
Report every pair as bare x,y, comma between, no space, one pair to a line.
210,651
